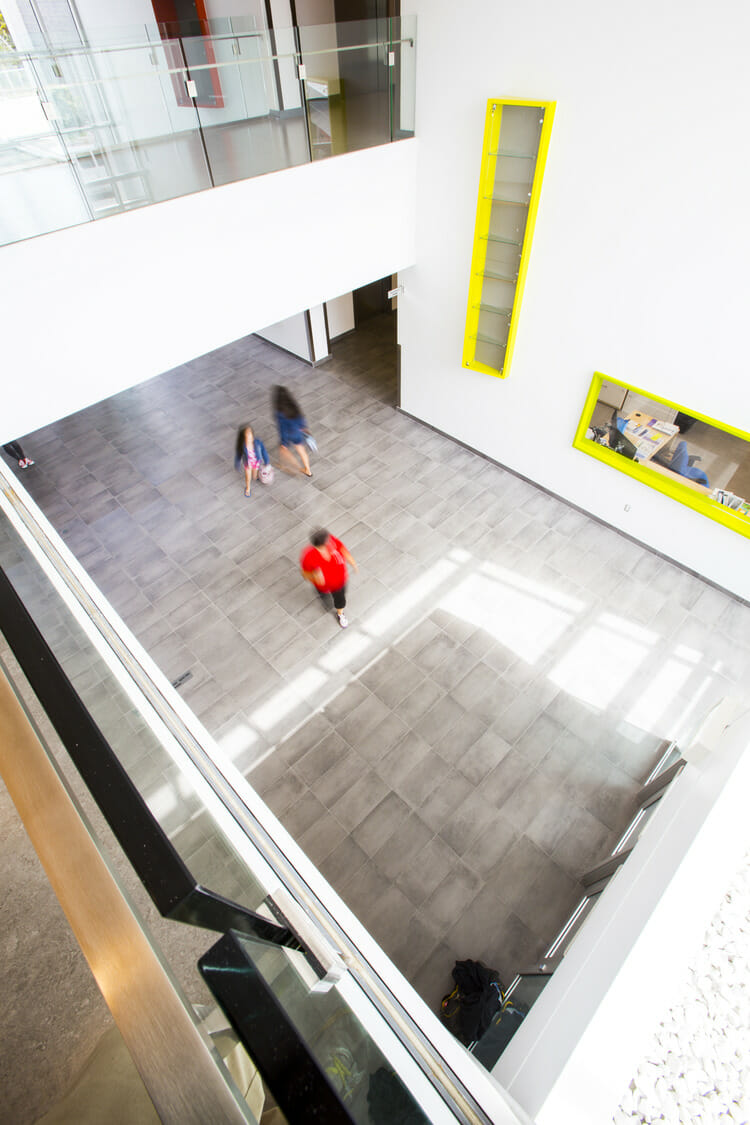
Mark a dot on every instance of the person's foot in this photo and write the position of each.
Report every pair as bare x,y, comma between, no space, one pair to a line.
22,463
343,620
29,462
247,492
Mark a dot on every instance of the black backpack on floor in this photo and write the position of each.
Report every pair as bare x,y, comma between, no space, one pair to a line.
468,1010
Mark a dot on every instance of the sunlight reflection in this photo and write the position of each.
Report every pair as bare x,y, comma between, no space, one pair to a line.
402,604
595,668
162,802
521,615
534,589
348,648
238,740
656,699
285,700
690,654
703,698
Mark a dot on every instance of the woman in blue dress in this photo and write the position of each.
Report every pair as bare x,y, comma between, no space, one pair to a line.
292,429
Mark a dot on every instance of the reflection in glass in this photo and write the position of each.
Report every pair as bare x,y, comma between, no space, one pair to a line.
365,1080
691,457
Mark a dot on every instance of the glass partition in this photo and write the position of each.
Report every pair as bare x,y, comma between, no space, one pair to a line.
38,193
347,85
90,131
173,792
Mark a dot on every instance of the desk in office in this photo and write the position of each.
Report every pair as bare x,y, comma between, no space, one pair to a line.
678,477
648,434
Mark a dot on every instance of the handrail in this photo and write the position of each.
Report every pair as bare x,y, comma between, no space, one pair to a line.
149,45
173,889
178,1065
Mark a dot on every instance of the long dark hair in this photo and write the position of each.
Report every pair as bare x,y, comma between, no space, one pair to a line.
239,448
285,403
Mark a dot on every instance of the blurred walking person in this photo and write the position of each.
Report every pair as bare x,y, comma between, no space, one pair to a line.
293,431
250,453
323,564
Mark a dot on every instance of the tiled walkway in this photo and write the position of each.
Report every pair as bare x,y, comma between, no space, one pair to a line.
472,744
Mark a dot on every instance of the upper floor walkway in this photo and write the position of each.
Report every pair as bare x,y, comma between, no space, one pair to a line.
111,120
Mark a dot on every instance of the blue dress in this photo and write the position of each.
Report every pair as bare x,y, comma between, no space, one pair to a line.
291,430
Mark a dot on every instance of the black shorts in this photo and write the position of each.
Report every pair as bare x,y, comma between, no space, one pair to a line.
337,596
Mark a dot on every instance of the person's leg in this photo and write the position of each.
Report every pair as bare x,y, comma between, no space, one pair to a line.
326,599
248,478
679,462
13,449
339,604
286,454
302,454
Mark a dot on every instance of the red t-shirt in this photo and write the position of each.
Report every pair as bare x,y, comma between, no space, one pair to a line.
334,568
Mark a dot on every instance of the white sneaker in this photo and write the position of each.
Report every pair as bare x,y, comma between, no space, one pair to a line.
343,620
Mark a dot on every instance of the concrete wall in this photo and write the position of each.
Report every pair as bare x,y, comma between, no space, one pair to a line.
92,310
639,260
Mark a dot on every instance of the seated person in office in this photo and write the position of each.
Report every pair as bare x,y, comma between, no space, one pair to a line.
683,464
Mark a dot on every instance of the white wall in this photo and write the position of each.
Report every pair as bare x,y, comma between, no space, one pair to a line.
290,334
303,334
639,261
340,313
92,310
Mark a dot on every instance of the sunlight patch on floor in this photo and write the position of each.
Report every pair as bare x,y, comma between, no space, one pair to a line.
526,617
597,666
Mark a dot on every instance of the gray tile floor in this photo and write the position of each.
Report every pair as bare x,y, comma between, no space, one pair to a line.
472,744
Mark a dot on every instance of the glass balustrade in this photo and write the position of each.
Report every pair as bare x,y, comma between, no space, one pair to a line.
143,115
210,854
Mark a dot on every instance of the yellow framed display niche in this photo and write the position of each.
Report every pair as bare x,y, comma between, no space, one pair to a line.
514,151
696,460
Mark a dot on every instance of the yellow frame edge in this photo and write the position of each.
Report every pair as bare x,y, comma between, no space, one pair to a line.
684,495
479,251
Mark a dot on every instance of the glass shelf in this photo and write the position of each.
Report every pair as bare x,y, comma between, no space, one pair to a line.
487,340
516,155
493,309
499,238
515,143
498,276
502,199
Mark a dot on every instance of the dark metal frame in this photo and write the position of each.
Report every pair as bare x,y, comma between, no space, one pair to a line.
286,1063
174,890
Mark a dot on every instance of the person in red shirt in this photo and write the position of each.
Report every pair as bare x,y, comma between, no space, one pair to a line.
324,564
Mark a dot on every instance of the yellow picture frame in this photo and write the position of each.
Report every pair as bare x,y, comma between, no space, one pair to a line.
596,434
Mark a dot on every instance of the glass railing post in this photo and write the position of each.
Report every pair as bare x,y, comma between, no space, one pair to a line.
299,62
193,99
